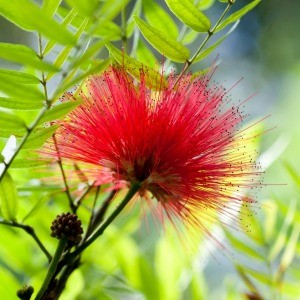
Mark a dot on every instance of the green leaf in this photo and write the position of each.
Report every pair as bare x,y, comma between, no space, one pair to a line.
156,16
10,122
29,16
243,247
24,163
144,55
189,14
262,277
64,54
93,70
70,15
290,249
25,56
51,6
90,52
19,85
237,15
246,278
59,111
8,197
85,7
162,42
280,241
270,210
110,9
293,173
18,77
211,48
38,138
134,67
1,158
14,103
205,4
108,30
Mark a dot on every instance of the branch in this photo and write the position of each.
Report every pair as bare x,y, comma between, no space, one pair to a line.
32,233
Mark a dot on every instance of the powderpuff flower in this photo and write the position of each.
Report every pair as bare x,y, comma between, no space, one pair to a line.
182,141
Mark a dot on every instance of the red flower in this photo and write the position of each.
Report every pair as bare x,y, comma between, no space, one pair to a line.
185,146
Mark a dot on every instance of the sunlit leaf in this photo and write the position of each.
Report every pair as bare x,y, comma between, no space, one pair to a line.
243,247
50,6
112,8
59,111
68,18
8,197
293,173
157,17
290,249
189,14
205,4
85,7
282,235
24,163
211,48
19,85
270,211
144,55
18,77
29,16
22,104
89,53
64,54
108,30
260,276
162,42
11,122
80,78
25,56
237,15
38,138
134,67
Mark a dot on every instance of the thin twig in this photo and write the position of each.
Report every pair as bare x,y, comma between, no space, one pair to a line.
81,197
63,174
210,33
31,232
98,216
131,192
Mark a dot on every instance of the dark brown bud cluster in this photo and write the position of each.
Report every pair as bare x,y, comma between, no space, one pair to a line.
67,226
25,292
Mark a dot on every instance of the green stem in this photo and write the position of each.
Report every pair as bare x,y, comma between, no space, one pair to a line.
78,201
98,216
123,28
63,174
210,33
32,233
133,189
52,268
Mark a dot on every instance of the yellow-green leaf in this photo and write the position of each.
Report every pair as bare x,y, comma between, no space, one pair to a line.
85,7
29,16
11,122
38,138
156,16
19,85
134,67
189,14
59,111
162,42
8,198
22,104
24,55
237,15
